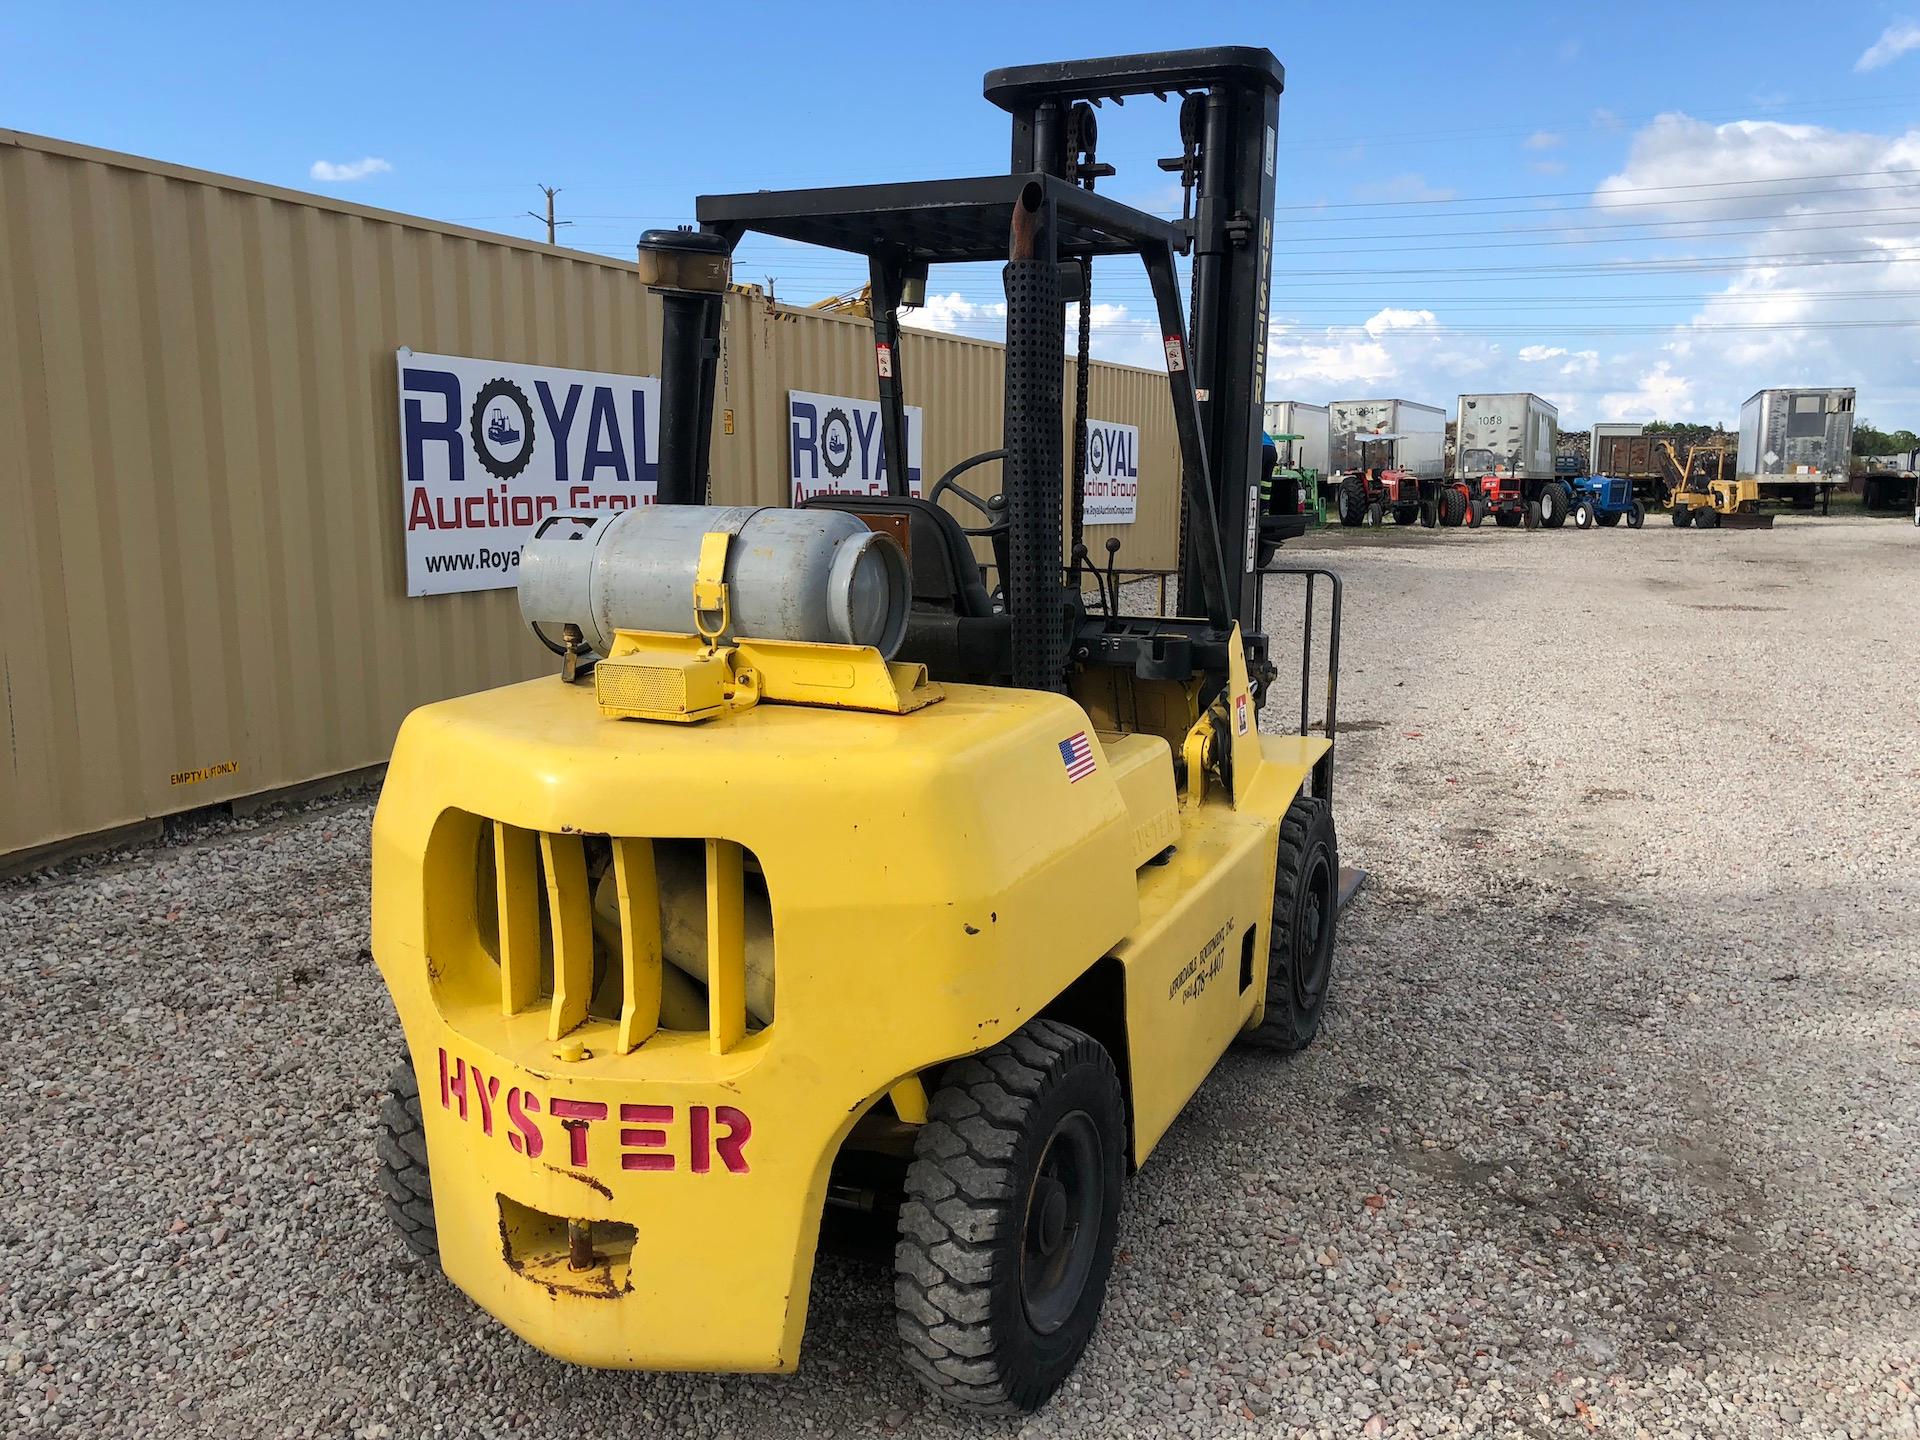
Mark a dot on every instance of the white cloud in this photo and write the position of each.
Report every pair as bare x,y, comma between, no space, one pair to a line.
1896,40
1544,140
1534,354
342,172
1392,319
1407,353
1400,187
1117,336
1659,394
954,314
1835,251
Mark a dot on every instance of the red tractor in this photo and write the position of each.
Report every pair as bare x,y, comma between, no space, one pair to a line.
1379,487
1512,500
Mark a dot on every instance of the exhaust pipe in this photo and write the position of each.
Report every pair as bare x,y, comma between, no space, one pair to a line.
689,270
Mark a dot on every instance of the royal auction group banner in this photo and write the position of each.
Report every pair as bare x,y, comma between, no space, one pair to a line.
488,447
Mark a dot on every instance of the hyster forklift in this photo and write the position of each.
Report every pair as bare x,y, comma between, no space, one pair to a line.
817,878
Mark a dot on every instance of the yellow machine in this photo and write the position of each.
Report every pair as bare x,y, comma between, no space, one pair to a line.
1706,497
820,877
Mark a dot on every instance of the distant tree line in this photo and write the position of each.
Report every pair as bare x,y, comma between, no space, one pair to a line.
1869,441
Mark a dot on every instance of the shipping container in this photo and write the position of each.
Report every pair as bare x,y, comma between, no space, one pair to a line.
1800,437
1611,449
1424,428
1309,422
1509,434
202,556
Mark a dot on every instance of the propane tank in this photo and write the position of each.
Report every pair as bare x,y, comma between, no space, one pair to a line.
811,575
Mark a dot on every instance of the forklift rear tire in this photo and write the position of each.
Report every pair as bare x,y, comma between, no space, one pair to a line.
1013,1205
1306,912
402,1148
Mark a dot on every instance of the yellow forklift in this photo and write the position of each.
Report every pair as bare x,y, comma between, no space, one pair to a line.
818,878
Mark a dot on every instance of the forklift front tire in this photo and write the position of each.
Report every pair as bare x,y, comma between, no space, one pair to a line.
402,1148
1012,1208
1306,910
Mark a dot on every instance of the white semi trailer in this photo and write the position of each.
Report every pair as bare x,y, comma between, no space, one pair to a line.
1796,444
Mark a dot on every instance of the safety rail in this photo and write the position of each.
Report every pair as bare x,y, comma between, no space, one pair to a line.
1323,769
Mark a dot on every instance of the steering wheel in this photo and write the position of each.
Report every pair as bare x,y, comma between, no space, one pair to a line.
997,532
994,509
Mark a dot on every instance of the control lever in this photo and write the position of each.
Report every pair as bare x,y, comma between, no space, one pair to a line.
1113,578
1082,561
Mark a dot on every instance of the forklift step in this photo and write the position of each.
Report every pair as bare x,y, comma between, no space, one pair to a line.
1351,880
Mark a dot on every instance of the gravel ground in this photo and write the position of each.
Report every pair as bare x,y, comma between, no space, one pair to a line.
1612,1129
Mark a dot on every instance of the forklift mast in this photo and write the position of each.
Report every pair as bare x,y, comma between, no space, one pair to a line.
1229,118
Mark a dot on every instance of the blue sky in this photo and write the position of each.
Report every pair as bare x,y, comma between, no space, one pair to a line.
1635,210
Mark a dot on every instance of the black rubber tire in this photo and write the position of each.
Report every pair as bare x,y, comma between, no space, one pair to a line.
1636,515
961,1296
1353,500
1406,514
1476,513
1306,916
1706,518
1583,516
1682,516
1609,518
1453,506
1556,500
402,1148
1506,519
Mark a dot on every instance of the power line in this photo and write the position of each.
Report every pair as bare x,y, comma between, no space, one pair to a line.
1617,122
1623,190
1394,249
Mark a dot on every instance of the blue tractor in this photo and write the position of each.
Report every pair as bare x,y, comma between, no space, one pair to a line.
1603,500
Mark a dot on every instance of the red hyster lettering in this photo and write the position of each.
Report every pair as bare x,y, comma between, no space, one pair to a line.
644,1136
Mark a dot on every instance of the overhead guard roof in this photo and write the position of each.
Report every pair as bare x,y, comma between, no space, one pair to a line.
1156,72
939,221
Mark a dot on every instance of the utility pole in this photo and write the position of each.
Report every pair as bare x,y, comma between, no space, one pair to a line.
552,224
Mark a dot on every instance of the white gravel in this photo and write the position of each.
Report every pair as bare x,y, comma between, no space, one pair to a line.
1615,1126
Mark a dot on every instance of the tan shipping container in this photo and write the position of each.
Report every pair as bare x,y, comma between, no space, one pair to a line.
202,574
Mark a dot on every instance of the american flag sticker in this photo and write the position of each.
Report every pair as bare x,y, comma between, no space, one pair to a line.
1076,753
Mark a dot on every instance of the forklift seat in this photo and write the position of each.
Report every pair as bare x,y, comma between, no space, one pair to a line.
946,576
